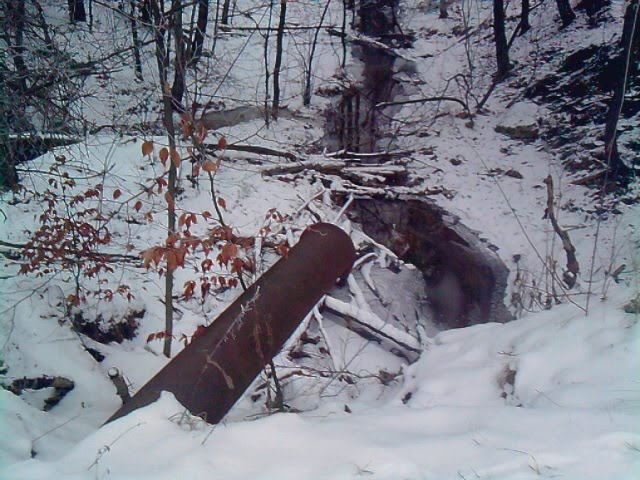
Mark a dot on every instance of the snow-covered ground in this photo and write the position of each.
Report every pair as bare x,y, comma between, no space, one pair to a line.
555,393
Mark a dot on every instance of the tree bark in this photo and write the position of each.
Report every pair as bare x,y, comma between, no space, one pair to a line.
278,64
201,29
566,12
224,19
443,9
77,12
15,12
525,26
162,59
306,97
593,7
177,90
626,68
145,11
500,36
136,42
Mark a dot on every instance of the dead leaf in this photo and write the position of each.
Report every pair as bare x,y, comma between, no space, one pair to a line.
164,155
175,157
209,166
147,148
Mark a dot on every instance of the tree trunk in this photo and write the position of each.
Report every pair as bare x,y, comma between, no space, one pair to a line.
566,13
15,14
136,42
145,11
443,9
46,33
593,7
77,13
224,19
201,29
626,68
278,64
525,26
177,90
306,97
8,175
500,36
162,59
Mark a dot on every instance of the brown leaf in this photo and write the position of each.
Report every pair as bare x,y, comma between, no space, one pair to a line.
171,240
222,143
148,256
209,166
164,155
175,157
229,251
186,125
189,288
116,194
172,261
138,206
222,203
147,148
207,263
201,133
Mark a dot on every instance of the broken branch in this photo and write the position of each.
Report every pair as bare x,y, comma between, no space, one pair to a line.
573,268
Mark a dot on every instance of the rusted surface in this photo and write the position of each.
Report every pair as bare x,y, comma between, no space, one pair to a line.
211,373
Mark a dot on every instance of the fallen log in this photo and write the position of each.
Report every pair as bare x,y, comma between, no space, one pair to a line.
371,327
361,174
256,149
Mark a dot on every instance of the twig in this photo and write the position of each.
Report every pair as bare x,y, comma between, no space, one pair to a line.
257,149
573,268
443,98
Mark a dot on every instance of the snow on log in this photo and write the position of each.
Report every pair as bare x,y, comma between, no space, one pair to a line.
369,325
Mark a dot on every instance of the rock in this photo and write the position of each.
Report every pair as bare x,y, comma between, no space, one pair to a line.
520,122
633,306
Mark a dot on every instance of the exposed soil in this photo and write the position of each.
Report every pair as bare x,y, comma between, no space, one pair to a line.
105,332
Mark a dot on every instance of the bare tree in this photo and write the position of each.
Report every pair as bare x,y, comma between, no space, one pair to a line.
306,97
593,7
145,11
136,41
626,68
278,64
443,9
195,51
566,12
224,18
524,24
500,36
77,12
162,60
179,73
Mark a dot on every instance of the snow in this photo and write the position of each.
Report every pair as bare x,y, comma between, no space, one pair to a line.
571,414
554,393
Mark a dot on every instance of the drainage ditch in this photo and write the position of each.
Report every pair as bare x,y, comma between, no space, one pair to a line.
465,280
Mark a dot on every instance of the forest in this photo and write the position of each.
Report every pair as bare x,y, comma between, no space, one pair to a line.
394,239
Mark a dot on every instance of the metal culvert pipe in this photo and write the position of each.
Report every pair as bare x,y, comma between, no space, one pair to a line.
215,369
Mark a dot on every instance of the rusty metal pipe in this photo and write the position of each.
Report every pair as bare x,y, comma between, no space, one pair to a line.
215,369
